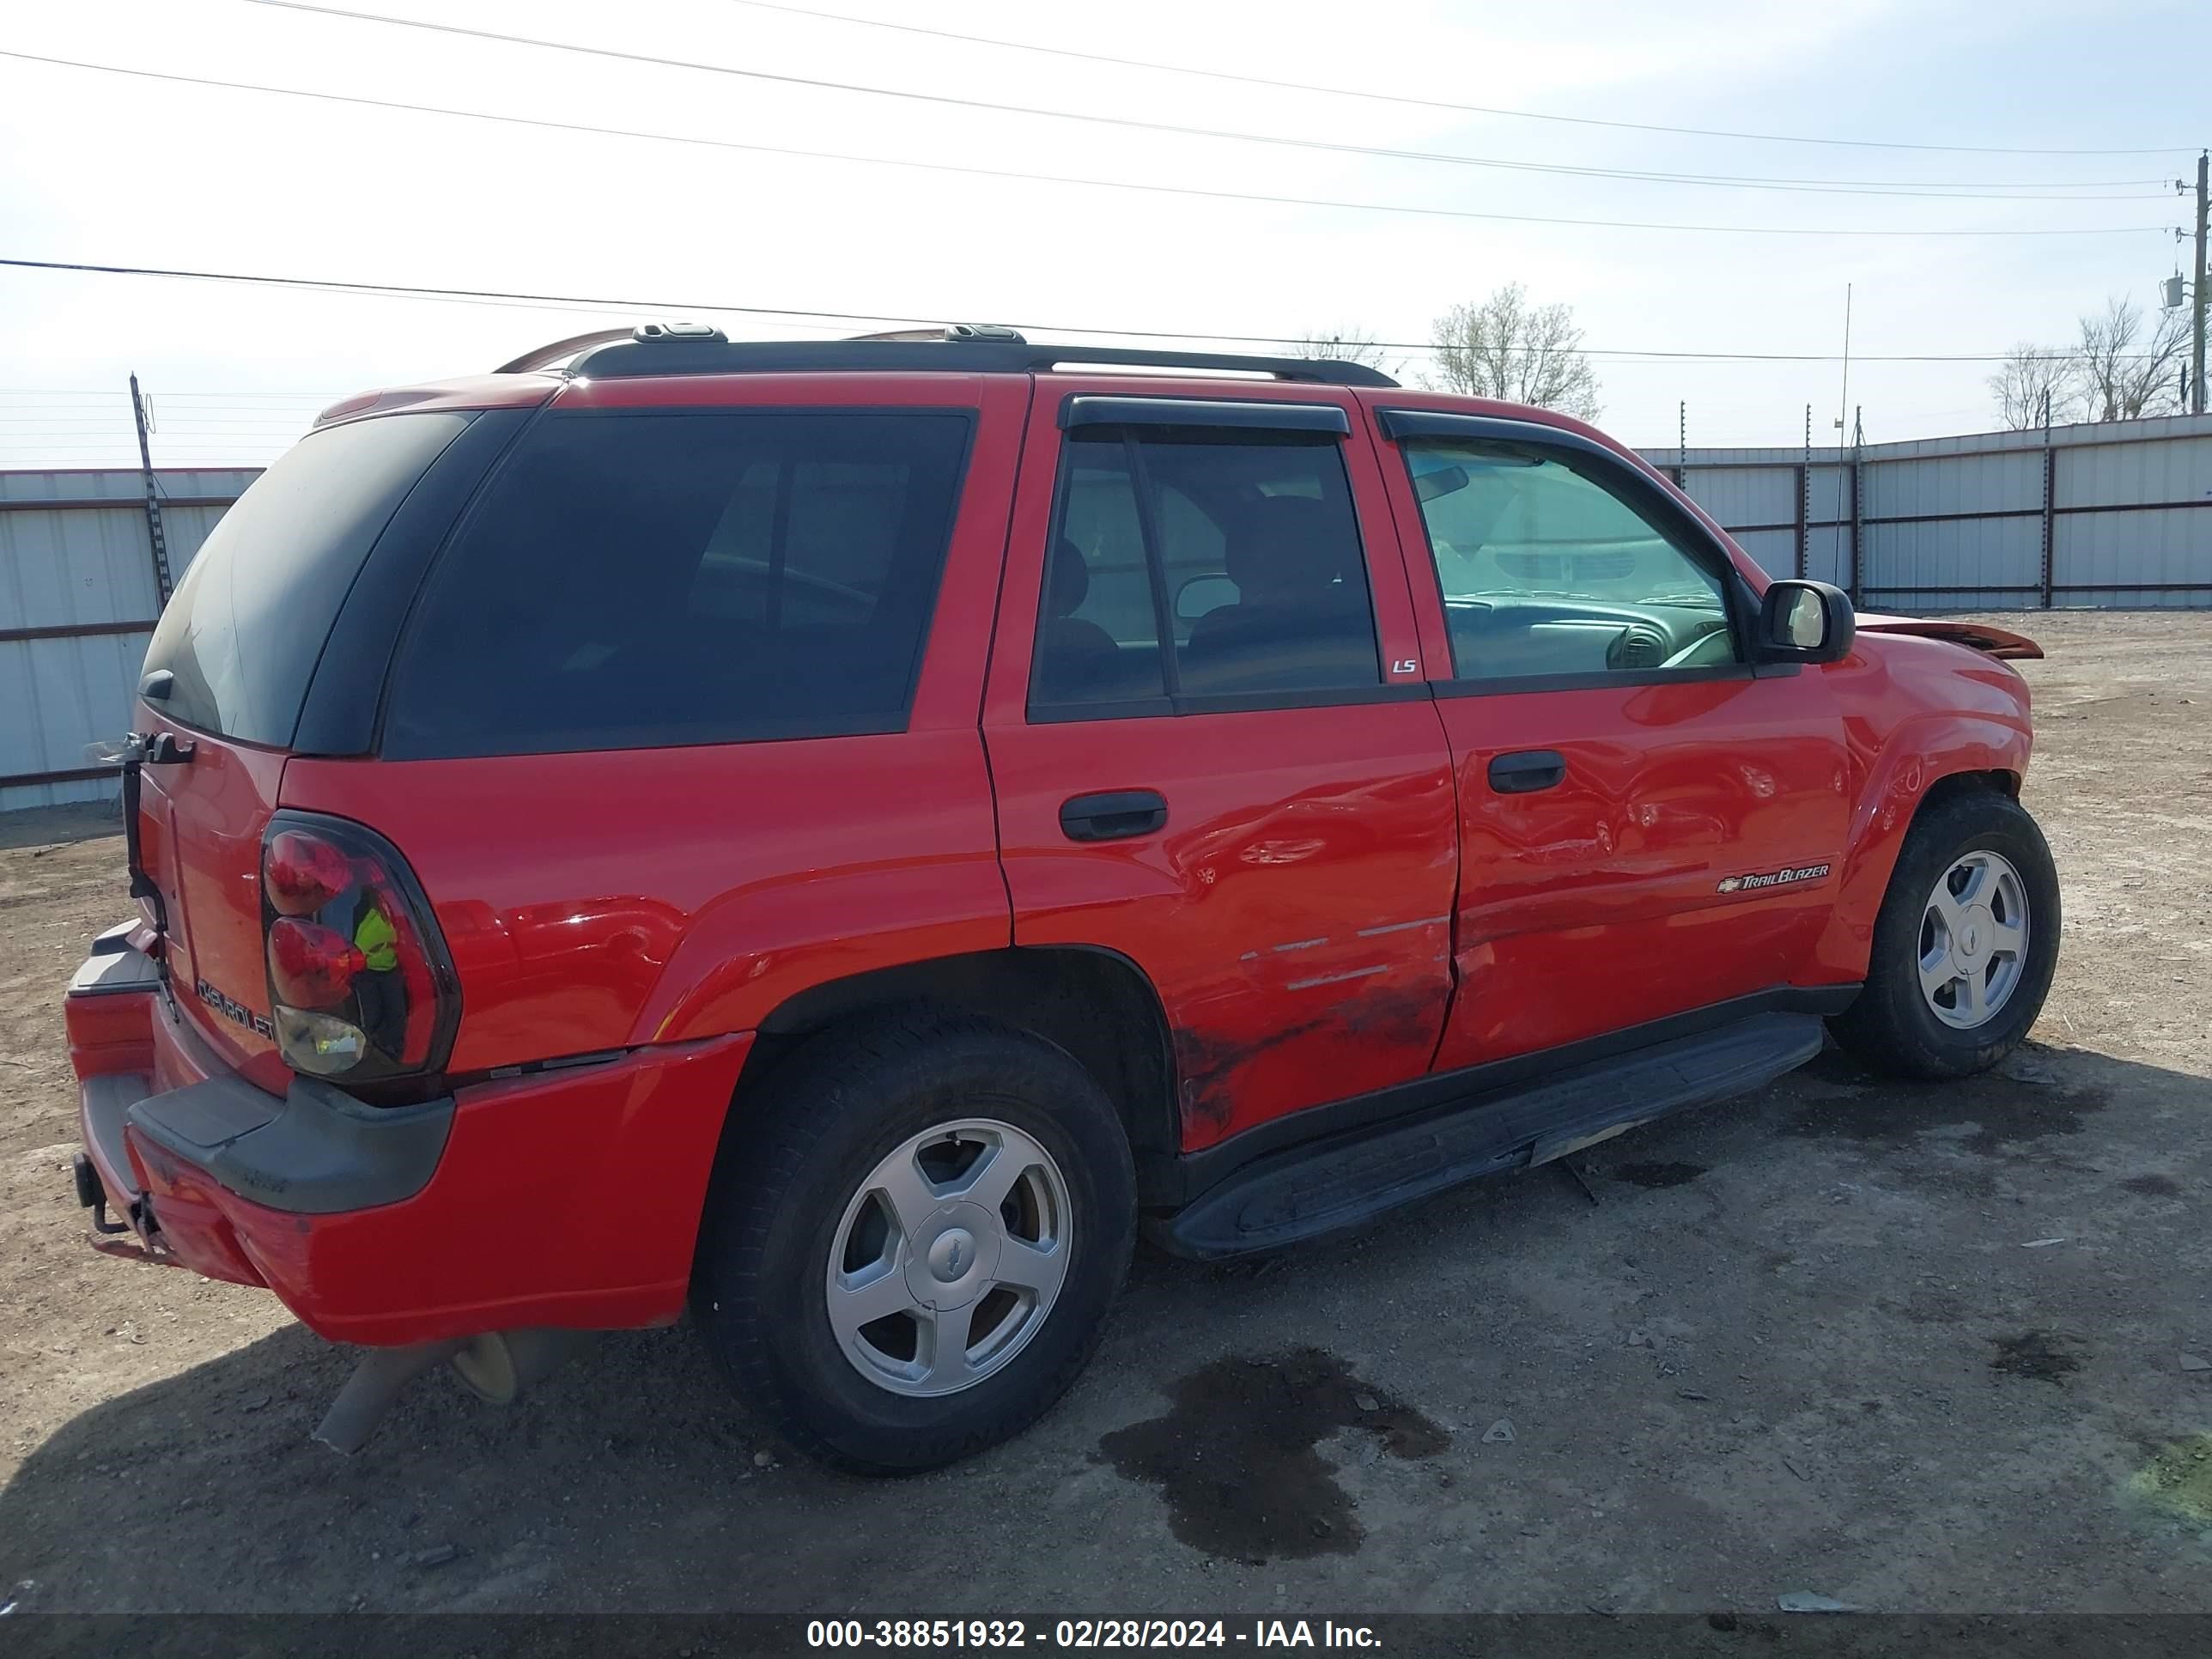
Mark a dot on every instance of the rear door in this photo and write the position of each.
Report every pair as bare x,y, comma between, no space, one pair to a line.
1650,826
226,674
1212,747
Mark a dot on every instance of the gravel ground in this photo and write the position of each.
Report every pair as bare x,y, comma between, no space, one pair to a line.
1914,1348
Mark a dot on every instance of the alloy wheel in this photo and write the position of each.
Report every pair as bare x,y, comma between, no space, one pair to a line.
948,1258
1973,939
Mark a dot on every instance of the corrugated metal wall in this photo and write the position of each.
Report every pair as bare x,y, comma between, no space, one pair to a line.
2109,514
78,600
2085,515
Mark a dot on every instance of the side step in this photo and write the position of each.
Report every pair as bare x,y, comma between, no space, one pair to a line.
1341,1181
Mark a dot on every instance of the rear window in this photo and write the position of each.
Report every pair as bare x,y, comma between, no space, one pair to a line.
244,629
638,579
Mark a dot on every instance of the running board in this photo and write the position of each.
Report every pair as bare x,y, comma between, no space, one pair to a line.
1328,1185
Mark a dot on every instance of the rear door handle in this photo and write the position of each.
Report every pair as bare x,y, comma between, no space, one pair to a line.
1528,770
1114,815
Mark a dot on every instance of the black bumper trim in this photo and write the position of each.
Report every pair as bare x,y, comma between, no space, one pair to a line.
107,1101
118,972
315,1152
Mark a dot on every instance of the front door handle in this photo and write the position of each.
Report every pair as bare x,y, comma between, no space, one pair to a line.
1114,815
1527,771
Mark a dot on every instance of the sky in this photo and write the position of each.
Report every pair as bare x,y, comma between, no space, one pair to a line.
100,167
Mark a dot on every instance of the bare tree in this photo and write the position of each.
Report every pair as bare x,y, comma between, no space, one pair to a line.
1346,345
1506,347
2035,380
2127,365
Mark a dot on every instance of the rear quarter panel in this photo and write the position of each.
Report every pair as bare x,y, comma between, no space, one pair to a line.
610,899
604,900
1915,711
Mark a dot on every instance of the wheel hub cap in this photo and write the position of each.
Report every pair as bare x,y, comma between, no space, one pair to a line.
949,1258
955,1254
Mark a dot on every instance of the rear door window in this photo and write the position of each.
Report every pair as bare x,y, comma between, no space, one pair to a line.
1190,564
638,579
241,634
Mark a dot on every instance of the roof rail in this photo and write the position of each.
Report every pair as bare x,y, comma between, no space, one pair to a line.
546,355
967,349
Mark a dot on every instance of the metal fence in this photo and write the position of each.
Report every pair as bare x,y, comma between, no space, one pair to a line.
2114,515
2104,515
79,593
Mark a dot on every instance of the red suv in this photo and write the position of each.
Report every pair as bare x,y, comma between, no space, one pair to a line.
845,835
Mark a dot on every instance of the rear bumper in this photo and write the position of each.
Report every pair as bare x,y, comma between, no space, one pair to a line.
571,1197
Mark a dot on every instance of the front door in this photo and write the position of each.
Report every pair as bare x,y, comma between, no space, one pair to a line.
1212,746
1650,826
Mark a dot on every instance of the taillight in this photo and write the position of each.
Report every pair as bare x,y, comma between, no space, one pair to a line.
360,985
301,873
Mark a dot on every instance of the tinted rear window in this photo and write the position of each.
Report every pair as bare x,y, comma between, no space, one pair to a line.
244,629
637,580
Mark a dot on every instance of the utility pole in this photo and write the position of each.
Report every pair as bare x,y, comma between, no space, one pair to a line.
1846,402
160,543
1805,493
1858,438
2198,297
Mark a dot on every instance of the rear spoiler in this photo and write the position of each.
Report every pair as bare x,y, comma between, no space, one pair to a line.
1992,642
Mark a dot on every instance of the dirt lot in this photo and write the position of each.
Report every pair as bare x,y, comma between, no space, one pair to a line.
1914,1348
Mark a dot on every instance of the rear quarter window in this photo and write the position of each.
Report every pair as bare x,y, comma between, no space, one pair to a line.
243,631
644,579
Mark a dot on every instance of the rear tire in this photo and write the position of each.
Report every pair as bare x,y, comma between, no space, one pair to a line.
1965,944
862,1280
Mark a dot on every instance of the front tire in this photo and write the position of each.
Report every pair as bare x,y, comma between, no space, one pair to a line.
914,1232
1965,944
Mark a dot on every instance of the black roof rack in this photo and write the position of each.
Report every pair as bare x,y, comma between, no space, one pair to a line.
692,349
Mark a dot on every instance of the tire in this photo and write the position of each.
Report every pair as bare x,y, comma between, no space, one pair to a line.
796,1178
1900,1026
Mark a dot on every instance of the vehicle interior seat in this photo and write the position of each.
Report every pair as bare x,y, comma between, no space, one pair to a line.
1077,660
1301,618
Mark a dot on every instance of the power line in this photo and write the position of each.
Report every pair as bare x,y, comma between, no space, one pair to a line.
503,297
1428,103
20,416
1191,190
88,391
949,100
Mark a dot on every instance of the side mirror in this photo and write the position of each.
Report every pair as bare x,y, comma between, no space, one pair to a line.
1805,622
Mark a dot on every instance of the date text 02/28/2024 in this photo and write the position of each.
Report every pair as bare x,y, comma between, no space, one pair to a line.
1079,1634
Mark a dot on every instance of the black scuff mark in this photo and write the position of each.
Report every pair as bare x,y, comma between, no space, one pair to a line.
1397,1016
1209,1065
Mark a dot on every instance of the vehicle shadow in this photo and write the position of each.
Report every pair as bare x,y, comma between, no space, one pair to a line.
1831,1213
